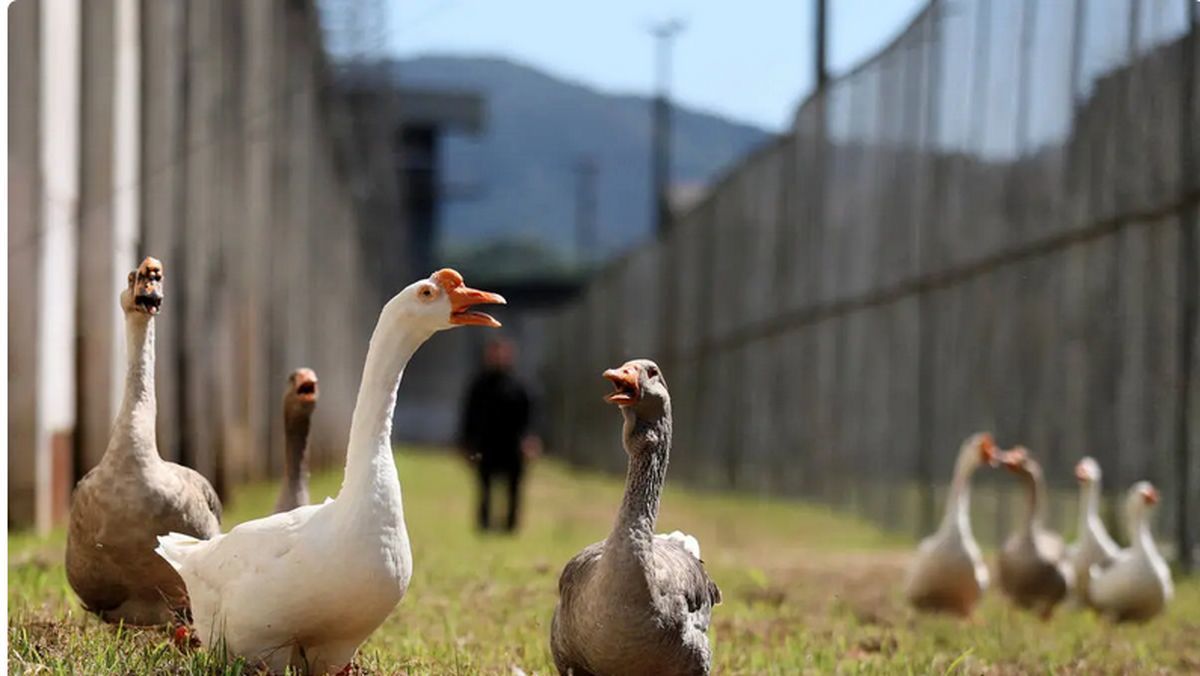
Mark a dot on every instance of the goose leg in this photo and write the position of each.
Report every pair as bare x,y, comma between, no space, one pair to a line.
331,658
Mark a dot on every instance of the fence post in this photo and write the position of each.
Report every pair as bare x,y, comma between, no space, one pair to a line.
24,237
926,515
1188,283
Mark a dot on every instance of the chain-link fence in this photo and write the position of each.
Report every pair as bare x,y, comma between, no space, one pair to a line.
990,225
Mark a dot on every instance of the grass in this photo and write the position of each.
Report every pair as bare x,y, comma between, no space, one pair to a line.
806,590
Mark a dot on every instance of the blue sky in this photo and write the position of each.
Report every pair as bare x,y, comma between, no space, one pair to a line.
747,60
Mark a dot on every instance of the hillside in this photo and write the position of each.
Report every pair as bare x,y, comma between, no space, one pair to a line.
520,172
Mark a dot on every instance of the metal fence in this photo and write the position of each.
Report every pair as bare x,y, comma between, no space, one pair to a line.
989,225
211,136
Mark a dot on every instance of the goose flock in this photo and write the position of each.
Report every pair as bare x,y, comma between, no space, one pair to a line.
1036,570
145,546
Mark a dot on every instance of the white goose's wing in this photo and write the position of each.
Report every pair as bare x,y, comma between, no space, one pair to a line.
1111,582
212,569
266,535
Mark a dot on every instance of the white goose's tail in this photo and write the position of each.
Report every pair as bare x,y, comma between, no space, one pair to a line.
175,547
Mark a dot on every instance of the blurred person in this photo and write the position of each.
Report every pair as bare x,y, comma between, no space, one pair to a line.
497,432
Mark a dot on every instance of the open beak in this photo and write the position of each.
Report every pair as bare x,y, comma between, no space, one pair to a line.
463,298
306,391
626,390
1150,495
148,301
147,286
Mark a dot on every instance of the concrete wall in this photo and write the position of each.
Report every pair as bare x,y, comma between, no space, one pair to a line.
209,135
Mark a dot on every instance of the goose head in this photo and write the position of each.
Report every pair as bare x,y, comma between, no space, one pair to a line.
1018,461
979,449
1087,471
639,389
302,391
443,302
983,447
144,292
1140,502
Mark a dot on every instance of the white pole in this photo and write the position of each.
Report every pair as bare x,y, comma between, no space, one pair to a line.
57,269
126,190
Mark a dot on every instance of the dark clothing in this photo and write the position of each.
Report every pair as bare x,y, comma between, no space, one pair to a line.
513,472
496,417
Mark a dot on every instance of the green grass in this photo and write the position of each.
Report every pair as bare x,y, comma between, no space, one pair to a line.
806,590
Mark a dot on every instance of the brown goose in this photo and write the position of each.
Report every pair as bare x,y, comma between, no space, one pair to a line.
299,402
132,495
1034,571
636,603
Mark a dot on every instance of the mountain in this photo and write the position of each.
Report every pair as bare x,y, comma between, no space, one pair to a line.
520,172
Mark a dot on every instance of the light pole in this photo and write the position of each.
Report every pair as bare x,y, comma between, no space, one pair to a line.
820,26
663,33
585,213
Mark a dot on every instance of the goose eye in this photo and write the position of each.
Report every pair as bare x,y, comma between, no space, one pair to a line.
426,293
652,372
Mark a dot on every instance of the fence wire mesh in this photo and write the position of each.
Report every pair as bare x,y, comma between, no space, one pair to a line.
989,225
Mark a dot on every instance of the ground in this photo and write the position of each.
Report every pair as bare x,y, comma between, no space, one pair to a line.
806,590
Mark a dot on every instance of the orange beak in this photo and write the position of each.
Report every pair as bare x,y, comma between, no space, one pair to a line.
987,449
1014,459
626,390
1081,473
463,297
1150,495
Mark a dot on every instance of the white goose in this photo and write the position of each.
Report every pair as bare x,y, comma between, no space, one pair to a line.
1136,585
1093,545
948,573
305,588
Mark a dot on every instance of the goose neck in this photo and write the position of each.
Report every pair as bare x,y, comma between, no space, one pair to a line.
133,436
1143,540
1035,502
1089,499
296,455
370,467
648,444
958,502
1140,538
